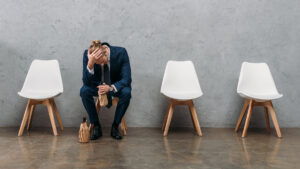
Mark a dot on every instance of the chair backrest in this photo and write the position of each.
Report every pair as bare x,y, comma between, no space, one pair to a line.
43,75
180,76
256,78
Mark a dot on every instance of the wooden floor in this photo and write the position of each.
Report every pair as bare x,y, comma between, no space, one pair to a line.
147,148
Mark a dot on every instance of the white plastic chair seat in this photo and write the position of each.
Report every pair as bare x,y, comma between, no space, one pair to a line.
39,95
260,96
256,82
180,81
182,95
43,80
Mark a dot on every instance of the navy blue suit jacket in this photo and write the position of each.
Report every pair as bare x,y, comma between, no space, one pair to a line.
120,71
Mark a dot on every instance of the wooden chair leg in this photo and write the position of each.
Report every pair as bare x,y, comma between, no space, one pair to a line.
125,124
241,115
248,119
50,111
267,119
32,107
56,114
26,114
166,116
273,116
195,118
190,109
169,118
124,127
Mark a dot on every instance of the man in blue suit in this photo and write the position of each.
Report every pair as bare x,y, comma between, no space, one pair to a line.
109,64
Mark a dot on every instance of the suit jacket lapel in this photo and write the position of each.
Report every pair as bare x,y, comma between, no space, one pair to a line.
112,60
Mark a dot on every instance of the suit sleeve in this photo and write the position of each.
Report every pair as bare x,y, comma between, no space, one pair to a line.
87,77
125,72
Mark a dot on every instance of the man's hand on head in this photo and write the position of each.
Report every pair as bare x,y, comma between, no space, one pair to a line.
93,57
102,89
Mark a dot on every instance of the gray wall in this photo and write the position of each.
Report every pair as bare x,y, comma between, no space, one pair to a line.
217,35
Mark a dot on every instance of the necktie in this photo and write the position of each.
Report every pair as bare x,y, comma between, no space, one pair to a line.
105,74
106,78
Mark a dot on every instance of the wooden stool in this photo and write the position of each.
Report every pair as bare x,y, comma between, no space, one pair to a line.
115,101
30,111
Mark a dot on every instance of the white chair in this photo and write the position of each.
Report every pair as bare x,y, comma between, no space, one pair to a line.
43,82
257,86
180,83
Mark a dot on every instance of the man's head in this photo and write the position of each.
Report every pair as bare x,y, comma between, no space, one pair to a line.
103,56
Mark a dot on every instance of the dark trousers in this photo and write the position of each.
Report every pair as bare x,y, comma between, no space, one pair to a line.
87,93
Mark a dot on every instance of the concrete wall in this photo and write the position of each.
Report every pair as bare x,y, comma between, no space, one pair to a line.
217,35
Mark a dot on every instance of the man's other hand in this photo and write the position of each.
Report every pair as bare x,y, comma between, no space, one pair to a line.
102,89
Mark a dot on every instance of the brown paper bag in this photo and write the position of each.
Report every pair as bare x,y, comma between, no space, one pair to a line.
103,100
84,132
